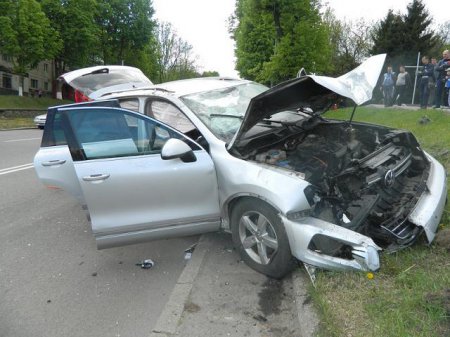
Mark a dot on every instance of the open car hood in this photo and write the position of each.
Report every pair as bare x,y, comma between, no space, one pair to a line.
315,92
94,82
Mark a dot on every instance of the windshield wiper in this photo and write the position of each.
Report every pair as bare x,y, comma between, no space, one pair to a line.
284,123
225,115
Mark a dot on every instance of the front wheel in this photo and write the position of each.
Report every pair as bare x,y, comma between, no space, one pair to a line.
260,238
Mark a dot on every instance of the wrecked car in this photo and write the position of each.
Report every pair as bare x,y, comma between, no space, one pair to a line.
201,155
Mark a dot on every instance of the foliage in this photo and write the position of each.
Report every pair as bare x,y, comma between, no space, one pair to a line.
350,41
27,102
403,36
74,19
443,32
126,27
275,38
26,35
89,32
174,55
210,74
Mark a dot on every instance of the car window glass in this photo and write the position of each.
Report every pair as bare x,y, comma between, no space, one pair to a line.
103,133
170,115
105,77
53,132
58,132
130,104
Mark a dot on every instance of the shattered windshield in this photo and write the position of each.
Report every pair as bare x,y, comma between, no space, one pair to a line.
222,110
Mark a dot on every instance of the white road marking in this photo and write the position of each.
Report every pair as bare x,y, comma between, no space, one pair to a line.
16,168
21,140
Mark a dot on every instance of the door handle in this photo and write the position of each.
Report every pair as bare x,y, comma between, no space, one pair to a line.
53,162
95,177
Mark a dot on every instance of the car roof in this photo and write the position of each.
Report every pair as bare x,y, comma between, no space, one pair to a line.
183,87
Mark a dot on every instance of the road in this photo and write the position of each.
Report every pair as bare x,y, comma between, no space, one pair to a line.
53,280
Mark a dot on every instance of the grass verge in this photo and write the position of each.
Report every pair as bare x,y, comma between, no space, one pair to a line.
25,103
22,102
15,122
410,295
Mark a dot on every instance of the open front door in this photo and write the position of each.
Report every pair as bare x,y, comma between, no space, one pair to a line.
132,193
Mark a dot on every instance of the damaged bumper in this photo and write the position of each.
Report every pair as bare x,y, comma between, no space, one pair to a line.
428,211
301,232
364,252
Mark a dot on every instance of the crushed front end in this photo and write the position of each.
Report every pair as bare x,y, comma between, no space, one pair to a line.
372,188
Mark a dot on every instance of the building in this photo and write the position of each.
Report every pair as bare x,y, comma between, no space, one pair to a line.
41,78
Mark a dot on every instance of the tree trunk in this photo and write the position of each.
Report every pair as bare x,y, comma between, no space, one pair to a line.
21,81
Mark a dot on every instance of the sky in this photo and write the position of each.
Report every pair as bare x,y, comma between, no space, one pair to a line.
204,23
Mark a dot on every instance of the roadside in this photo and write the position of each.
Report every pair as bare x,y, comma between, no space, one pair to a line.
414,107
17,112
218,295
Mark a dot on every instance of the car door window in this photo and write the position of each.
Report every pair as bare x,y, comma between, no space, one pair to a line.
108,133
130,104
54,131
169,114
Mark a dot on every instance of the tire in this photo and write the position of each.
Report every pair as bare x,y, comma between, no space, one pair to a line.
260,238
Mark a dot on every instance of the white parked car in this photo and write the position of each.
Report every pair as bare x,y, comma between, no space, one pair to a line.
39,121
202,155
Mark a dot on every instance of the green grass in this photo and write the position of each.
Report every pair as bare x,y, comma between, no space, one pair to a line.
25,103
410,295
18,102
13,123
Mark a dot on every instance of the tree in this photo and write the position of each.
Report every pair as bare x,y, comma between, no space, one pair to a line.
126,26
350,42
26,36
209,74
275,38
174,55
403,36
254,32
75,22
443,33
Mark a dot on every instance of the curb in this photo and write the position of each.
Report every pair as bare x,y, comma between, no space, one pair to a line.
306,313
24,128
168,321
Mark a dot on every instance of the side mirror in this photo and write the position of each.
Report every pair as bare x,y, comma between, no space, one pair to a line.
175,148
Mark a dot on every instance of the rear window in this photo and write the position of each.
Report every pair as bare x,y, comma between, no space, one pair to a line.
103,78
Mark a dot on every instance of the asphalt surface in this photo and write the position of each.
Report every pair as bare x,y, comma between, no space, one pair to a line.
53,280
218,295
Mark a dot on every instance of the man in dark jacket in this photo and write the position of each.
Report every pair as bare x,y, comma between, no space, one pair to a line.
427,76
441,70
388,86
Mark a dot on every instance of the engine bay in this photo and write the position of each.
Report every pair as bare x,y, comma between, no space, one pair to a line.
365,178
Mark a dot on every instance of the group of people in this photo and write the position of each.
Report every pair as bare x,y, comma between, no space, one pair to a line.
434,83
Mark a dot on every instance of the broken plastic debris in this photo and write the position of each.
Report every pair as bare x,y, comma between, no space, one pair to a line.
311,270
146,264
188,252
260,318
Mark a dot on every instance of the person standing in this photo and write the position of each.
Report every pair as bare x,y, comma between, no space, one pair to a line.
401,85
388,87
433,85
427,76
441,69
447,85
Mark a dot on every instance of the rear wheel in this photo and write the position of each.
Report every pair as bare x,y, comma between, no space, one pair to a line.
260,237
